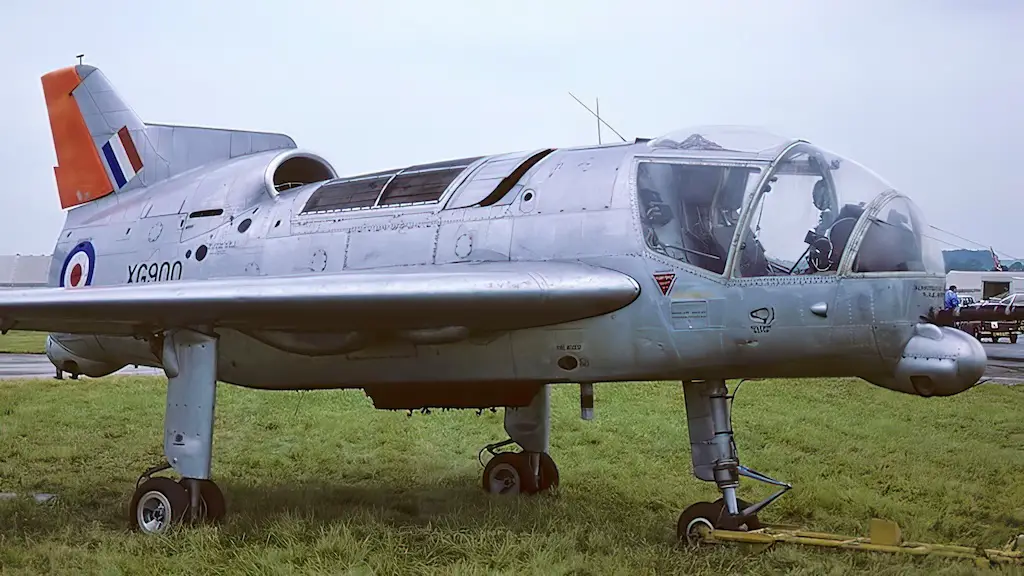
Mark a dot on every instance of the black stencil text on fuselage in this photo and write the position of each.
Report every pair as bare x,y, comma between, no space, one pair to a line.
154,271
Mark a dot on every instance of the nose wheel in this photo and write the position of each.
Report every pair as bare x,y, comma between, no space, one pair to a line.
699,519
520,473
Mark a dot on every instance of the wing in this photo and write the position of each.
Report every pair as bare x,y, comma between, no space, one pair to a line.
490,296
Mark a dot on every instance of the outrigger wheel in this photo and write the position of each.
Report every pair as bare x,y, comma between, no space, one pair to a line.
512,473
158,503
707,516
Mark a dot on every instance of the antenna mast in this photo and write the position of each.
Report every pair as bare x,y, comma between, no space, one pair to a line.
599,120
597,112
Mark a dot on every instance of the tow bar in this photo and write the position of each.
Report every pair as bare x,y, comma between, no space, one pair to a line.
884,536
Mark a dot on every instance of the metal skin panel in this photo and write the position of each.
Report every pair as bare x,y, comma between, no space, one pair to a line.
461,239
391,244
576,180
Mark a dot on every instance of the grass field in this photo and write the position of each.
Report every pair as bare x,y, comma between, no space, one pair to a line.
322,483
17,342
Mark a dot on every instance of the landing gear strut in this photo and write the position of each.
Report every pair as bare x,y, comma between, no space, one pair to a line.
190,362
532,470
713,450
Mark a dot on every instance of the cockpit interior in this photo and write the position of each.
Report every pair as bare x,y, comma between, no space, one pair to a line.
795,215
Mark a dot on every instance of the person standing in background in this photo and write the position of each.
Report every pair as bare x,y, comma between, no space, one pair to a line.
952,300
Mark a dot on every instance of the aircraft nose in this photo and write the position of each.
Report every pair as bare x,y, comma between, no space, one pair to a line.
940,361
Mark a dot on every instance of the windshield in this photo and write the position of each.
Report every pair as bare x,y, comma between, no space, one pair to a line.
806,212
689,212
1008,300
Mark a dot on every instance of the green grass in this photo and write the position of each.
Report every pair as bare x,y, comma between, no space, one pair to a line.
18,342
321,483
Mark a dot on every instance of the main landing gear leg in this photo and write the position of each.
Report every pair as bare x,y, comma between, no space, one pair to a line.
713,450
190,362
532,470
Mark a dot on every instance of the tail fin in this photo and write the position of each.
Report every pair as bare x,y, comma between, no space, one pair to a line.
103,147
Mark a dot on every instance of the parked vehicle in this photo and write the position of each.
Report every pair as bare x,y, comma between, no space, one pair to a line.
995,329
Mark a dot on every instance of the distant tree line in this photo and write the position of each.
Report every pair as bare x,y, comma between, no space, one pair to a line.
977,260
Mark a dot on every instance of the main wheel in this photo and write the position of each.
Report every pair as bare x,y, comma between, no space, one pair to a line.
157,504
511,473
505,474
1013,338
548,473
212,507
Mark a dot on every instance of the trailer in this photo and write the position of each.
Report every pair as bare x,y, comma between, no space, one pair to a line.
984,290
988,285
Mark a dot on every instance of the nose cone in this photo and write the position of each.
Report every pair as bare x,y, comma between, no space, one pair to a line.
938,361
972,360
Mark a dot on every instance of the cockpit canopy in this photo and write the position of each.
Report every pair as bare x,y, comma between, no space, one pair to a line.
743,203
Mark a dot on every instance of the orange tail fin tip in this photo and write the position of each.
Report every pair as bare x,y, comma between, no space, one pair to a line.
79,172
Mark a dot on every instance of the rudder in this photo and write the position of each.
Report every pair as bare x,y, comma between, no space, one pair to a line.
80,174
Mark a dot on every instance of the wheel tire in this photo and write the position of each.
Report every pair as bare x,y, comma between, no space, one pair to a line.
504,474
692,518
548,473
712,515
148,510
511,473
1013,339
211,499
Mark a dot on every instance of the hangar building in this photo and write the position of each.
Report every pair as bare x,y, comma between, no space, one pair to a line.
24,271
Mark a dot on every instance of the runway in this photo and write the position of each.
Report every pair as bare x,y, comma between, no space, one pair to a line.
1005,365
39,366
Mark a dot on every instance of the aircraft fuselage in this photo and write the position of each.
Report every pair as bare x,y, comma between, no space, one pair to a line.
573,205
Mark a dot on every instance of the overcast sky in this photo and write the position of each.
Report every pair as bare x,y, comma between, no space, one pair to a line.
928,93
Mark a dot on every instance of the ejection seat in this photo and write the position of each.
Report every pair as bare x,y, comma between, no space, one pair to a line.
839,232
890,245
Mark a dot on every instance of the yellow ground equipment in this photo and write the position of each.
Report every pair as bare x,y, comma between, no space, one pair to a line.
884,536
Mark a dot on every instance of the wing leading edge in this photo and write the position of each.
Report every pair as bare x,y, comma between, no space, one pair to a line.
490,296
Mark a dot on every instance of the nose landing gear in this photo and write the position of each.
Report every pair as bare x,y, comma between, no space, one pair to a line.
715,459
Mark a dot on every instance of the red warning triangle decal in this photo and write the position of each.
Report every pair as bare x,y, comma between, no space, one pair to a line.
664,281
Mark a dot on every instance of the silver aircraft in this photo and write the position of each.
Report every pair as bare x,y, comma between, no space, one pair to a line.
703,255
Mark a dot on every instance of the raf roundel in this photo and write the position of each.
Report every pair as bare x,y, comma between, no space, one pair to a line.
78,266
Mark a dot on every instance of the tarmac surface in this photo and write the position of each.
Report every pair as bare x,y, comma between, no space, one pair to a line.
39,366
1005,362
1005,365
